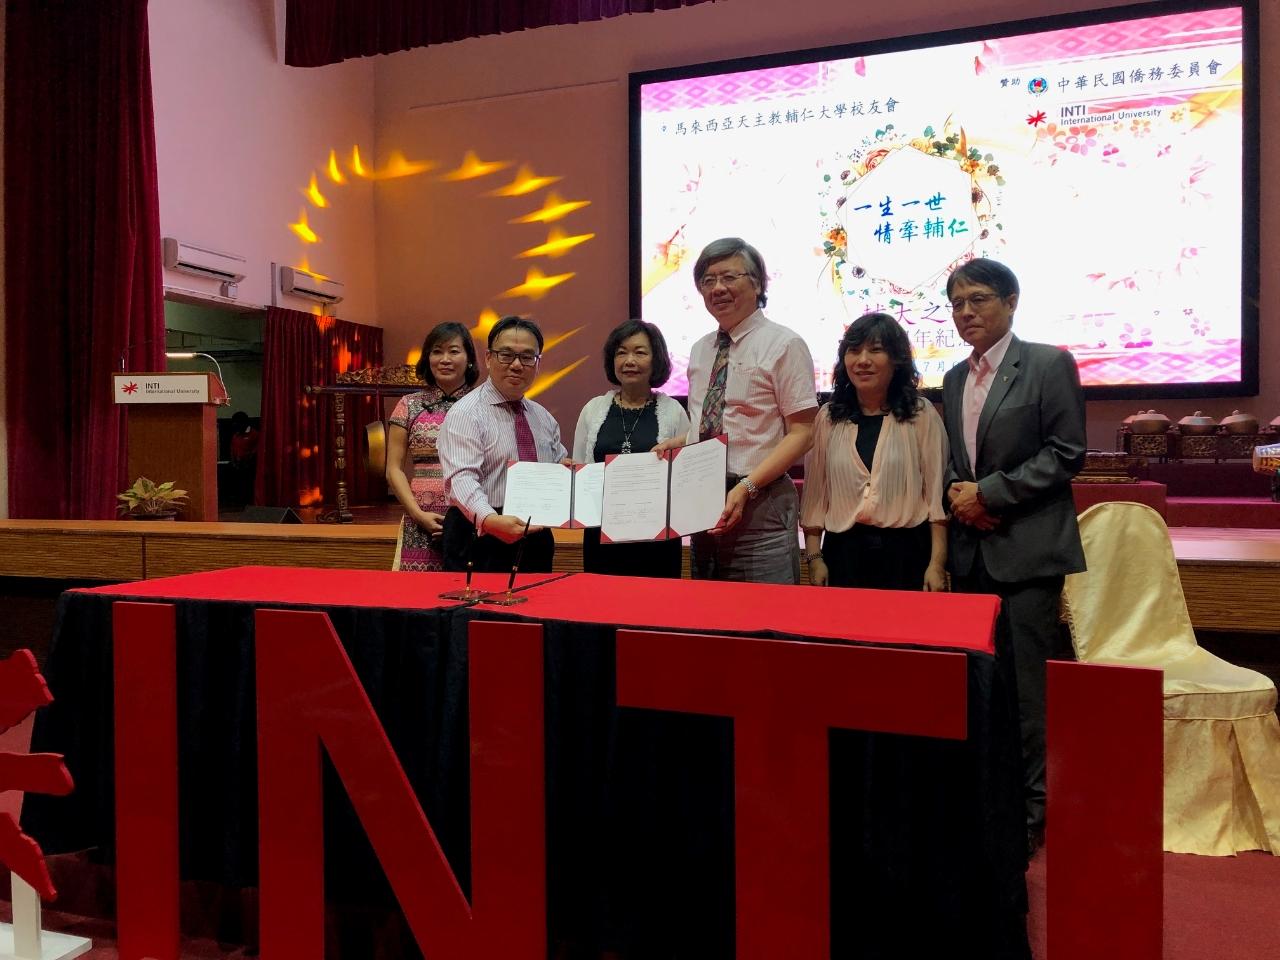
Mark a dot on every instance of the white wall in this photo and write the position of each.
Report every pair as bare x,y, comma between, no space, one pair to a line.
238,135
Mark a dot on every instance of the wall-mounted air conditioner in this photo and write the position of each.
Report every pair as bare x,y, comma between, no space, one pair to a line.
311,286
203,262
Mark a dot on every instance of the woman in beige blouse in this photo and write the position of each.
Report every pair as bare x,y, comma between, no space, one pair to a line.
872,506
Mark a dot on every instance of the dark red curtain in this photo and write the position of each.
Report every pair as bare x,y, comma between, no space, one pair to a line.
318,32
82,247
295,456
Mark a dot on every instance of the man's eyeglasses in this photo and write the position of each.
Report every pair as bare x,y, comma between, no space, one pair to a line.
709,281
508,357
976,300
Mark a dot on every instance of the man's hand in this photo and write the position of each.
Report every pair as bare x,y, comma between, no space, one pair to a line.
505,528
968,509
734,504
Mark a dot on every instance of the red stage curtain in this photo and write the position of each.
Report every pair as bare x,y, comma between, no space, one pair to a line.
295,456
318,32
82,237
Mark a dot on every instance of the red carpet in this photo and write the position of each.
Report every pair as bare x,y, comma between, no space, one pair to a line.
1223,908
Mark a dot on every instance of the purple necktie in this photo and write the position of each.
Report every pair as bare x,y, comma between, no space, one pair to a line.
527,449
711,423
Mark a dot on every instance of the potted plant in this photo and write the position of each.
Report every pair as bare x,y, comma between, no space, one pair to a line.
148,500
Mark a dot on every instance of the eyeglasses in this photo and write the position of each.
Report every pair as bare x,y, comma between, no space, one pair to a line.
508,357
976,300
709,281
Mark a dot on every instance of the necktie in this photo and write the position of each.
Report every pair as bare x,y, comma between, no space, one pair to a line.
527,449
712,420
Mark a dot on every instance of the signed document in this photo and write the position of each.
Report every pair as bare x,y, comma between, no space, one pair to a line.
553,495
648,497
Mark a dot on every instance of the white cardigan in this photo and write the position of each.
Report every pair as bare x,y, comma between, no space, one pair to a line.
672,422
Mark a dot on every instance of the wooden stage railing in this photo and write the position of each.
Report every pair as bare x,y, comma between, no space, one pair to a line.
1231,578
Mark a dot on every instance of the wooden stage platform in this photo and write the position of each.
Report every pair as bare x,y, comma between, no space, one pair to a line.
1231,577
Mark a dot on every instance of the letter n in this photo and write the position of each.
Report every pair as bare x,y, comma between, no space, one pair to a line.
308,698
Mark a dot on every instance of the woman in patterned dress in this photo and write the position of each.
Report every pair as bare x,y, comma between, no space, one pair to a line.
448,364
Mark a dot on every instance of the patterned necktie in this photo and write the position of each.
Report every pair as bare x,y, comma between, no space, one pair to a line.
711,422
527,449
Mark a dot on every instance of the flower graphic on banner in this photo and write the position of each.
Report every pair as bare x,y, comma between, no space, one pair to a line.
130,388
886,234
22,691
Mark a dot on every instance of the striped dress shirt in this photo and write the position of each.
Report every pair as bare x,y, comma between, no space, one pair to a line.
477,440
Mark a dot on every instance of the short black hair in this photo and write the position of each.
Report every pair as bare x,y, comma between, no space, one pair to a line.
661,370
727,247
987,273
904,392
515,323
443,333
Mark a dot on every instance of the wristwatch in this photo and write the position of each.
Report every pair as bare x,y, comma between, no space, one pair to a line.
752,490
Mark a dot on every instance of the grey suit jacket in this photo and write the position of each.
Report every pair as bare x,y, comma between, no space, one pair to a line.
1031,443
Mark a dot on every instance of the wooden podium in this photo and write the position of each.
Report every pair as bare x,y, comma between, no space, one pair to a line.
173,433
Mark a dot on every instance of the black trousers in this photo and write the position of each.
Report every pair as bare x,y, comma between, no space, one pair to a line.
1028,634
488,553
878,558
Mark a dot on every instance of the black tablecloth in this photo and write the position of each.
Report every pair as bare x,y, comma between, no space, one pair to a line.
928,846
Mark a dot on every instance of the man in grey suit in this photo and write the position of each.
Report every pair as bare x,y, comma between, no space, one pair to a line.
1014,413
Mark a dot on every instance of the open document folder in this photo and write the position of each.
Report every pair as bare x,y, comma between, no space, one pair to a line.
553,495
630,496
652,498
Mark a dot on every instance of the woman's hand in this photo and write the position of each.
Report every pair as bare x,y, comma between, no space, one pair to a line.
673,444
818,572
430,522
935,578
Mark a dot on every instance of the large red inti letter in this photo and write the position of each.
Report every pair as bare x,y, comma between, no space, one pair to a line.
146,741
1105,867
783,697
309,696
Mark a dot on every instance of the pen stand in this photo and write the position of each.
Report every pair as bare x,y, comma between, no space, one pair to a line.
507,599
466,593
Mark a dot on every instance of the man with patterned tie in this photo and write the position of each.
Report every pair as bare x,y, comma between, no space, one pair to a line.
1015,420
753,380
482,432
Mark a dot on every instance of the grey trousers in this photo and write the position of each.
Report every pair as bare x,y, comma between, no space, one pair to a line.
764,547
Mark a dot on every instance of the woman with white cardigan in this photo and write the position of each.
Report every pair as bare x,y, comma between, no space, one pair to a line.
631,419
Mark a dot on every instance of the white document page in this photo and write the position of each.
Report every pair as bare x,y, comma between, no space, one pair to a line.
635,498
697,486
543,491
588,494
